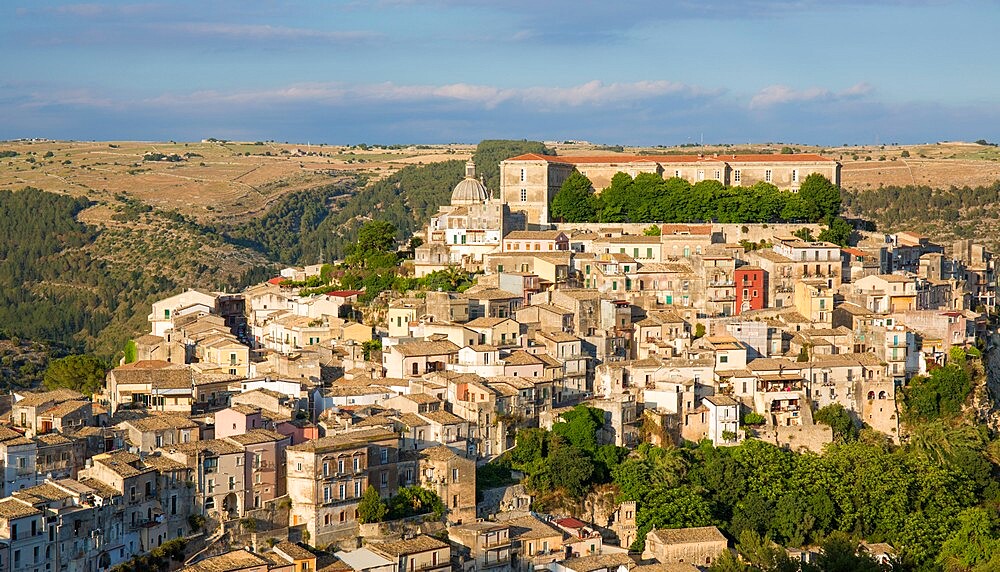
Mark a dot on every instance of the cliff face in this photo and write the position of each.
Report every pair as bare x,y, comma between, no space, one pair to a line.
987,390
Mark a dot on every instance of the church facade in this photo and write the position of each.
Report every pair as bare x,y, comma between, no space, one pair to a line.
472,225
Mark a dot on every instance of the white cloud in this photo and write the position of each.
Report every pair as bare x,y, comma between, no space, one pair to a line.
781,94
593,93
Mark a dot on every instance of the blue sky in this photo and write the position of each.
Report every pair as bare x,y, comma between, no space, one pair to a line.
645,72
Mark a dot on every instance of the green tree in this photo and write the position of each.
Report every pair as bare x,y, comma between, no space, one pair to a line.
579,426
839,419
652,230
375,246
975,546
818,191
575,200
83,373
837,231
130,351
372,508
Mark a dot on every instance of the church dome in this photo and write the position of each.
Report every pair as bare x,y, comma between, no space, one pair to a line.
469,190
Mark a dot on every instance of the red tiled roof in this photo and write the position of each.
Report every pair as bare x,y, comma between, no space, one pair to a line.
277,280
765,158
571,523
343,293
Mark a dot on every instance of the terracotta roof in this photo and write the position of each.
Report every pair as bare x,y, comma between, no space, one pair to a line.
420,398
56,396
161,463
491,294
229,562
439,453
443,417
530,527
533,234
149,364
686,535
485,322
413,420
294,551
257,436
521,357
41,493
16,508
425,348
349,440
160,423
215,446
422,543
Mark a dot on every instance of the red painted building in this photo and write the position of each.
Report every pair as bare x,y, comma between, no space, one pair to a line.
751,291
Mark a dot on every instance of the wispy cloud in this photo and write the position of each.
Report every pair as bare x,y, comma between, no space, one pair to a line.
773,95
264,32
593,93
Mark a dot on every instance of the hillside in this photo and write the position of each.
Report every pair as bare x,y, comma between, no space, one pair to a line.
85,255
150,219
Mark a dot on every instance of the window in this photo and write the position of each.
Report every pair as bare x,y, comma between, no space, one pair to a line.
326,494
767,176
384,455
384,479
357,488
795,175
736,176
209,503
523,175
718,174
723,359
343,491
211,486
232,483
454,475
524,195
357,464
326,469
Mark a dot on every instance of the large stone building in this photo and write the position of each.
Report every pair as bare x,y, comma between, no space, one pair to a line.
462,232
529,182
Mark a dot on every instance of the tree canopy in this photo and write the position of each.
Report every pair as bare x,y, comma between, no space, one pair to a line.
650,198
83,373
575,200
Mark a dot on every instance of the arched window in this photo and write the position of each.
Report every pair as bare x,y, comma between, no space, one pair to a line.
882,395
871,395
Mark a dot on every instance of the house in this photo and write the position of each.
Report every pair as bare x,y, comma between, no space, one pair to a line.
29,409
482,546
452,476
365,560
233,561
219,467
147,434
264,471
424,553
535,543
328,476
700,546
154,385
413,359
751,292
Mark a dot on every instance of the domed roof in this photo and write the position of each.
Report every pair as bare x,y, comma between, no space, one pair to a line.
469,190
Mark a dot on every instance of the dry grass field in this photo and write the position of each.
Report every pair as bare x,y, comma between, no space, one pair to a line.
221,180
214,179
